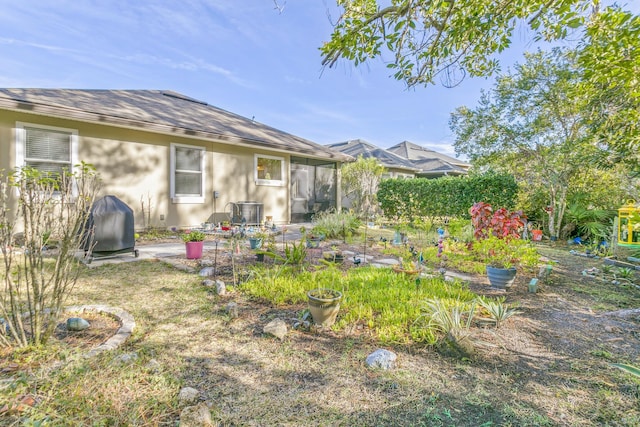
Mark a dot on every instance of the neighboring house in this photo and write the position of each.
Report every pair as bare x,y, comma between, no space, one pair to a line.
187,161
430,164
397,167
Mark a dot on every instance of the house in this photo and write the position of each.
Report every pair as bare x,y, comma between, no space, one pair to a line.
397,166
430,164
186,161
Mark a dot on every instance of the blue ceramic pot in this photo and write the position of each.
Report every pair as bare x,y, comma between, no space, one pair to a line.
501,278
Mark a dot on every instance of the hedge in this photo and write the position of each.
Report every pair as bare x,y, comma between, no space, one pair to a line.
448,196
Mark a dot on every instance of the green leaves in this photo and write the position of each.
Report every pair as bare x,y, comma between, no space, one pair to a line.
430,38
627,368
449,196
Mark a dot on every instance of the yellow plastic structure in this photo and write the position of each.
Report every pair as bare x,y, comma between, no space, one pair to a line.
629,225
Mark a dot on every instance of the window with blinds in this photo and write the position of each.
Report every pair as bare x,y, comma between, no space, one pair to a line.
187,174
47,150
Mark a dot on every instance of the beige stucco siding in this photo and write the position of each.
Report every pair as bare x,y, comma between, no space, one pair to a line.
134,166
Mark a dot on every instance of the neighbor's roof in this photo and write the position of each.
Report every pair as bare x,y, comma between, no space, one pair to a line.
430,162
161,112
358,147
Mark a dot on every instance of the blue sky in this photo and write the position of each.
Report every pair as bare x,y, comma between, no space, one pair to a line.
244,56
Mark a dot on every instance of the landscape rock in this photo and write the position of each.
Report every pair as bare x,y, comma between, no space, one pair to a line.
77,324
221,288
126,358
208,283
232,309
153,366
196,416
277,328
206,262
188,395
207,272
382,359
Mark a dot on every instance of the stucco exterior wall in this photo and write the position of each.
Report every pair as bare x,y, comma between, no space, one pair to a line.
134,166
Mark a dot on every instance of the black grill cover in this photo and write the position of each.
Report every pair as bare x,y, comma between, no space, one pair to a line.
112,223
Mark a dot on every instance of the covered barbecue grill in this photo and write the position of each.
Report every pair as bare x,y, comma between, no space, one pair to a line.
111,228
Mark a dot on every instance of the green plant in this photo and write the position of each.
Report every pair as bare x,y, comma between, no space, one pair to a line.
324,293
497,309
331,224
590,223
450,319
607,268
295,253
410,199
50,206
193,236
633,370
626,272
505,253
384,302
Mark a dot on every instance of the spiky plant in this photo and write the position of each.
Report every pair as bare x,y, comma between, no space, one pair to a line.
497,309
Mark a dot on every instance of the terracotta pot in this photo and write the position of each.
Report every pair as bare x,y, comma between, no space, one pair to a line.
536,235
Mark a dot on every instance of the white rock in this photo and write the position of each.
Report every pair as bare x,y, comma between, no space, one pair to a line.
277,328
232,309
126,358
207,271
196,416
206,262
382,359
221,288
188,395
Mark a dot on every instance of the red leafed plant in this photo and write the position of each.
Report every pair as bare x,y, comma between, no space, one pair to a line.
502,223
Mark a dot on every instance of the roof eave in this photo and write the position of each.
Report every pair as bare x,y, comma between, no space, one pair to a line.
103,119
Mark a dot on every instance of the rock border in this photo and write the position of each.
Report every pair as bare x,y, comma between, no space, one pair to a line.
121,335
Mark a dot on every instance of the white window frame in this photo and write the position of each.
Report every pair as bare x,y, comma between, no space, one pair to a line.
21,137
271,182
177,198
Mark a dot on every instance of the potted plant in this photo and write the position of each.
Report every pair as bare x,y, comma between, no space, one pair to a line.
255,241
503,257
324,305
194,243
498,243
334,255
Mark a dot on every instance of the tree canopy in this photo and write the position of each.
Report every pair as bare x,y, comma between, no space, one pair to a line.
423,39
609,57
531,125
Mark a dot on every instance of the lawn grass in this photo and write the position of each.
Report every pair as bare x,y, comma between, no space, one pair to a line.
383,301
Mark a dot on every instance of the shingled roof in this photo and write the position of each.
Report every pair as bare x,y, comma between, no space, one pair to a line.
358,147
430,162
160,111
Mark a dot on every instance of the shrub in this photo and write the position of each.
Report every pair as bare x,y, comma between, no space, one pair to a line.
449,196
334,225
50,207
500,223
